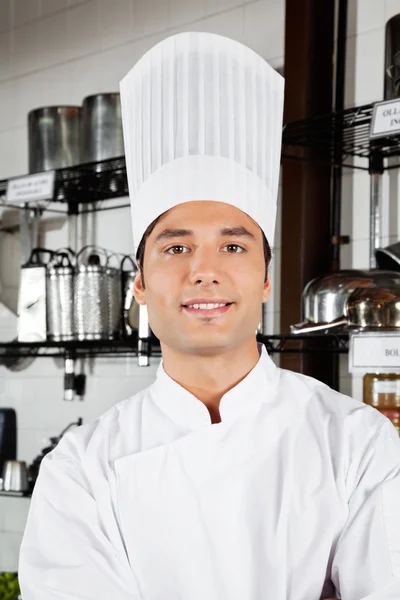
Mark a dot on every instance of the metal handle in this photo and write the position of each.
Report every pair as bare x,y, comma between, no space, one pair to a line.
133,263
100,252
307,327
35,257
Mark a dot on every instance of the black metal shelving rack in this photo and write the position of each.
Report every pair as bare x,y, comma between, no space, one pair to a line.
85,187
354,124
128,347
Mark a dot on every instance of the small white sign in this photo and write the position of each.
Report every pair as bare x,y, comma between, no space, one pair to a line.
374,352
31,188
385,119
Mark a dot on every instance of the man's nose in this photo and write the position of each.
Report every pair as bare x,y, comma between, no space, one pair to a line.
205,267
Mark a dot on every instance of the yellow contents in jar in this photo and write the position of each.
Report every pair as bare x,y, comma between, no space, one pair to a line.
382,391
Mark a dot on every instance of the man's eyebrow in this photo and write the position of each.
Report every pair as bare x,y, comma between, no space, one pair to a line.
237,232
171,233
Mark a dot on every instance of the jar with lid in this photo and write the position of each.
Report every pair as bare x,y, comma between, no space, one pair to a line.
382,391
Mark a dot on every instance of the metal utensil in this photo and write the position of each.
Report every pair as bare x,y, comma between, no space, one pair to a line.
15,476
60,296
114,293
91,294
130,306
32,297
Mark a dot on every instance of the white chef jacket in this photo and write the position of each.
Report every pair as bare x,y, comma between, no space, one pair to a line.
297,487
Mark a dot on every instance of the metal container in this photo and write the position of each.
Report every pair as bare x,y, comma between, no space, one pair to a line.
32,326
102,136
114,292
15,476
324,299
130,320
54,137
91,295
392,58
374,308
60,298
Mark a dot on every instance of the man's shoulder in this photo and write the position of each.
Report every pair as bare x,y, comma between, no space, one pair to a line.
325,403
109,436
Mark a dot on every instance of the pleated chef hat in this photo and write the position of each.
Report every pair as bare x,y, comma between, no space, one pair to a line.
202,120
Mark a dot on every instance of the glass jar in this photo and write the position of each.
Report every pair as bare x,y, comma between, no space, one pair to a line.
382,391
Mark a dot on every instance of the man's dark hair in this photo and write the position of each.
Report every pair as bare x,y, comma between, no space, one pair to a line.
147,233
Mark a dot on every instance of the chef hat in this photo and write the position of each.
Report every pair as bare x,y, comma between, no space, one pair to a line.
202,120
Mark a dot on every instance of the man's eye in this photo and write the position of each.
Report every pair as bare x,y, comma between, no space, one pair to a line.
234,249
176,250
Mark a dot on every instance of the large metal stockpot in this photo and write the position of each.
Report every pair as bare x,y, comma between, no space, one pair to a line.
102,136
324,299
54,137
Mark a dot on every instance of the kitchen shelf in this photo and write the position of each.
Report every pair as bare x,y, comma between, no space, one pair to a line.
340,137
80,349
15,494
275,344
86,184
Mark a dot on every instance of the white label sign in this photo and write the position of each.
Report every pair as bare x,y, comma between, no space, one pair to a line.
31,188
385,119
374,352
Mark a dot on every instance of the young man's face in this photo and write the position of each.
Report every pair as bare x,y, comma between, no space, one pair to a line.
204,252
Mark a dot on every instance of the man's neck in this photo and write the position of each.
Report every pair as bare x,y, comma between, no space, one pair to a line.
209,377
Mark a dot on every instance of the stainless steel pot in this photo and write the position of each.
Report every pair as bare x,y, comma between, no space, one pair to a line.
102,136
324,299
54,137
374,308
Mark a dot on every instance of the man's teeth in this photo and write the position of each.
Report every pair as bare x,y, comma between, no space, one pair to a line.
208,306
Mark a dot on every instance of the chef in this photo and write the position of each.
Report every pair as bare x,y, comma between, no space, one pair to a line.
228,478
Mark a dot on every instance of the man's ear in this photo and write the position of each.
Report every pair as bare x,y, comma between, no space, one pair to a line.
138,290
267,290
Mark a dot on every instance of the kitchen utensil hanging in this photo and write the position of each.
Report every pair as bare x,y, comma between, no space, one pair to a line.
114,295
60,296
91,294
98,295
32,297
130,306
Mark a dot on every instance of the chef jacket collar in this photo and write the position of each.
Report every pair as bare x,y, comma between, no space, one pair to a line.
186,410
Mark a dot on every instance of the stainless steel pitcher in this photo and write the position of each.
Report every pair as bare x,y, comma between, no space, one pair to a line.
15,476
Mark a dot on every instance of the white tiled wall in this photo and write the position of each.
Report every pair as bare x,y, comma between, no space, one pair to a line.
365,84
57,52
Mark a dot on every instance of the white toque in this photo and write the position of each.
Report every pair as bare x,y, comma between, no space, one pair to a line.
202,120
